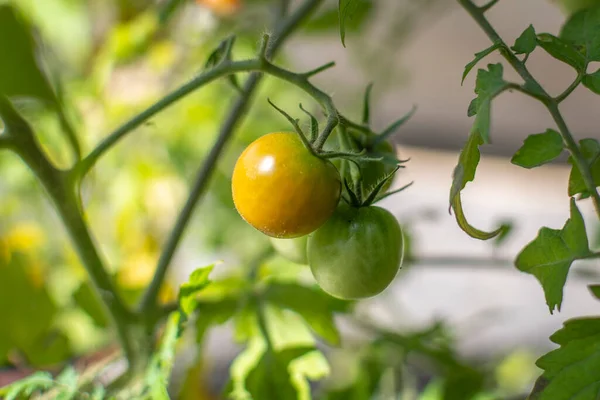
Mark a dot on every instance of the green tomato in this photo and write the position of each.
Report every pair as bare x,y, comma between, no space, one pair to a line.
357,253
292,249
572,6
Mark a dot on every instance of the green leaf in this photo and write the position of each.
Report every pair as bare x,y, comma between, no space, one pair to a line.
329,19
27,386
562,50
595,289
592,81
539,149
488,85
468,160
527,42
219,302
314,305
67,381
573,370
590,149
20,73
283,375
478,57
159,370
349,10
470,230
462,383
582,31
550,255
214,313
27,313
472,110
281,371
188,291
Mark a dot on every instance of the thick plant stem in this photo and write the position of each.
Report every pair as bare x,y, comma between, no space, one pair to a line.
63,195
537,91
202,178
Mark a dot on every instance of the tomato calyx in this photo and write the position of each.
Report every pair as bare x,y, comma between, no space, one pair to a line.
356,197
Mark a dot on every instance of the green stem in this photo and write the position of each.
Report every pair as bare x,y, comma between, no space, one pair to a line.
477,14
578,157
5,142
535,89
559,99
489,5
235,115
224,69
62,193
217,72
70,132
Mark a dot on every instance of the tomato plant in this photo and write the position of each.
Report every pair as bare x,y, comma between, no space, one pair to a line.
107,316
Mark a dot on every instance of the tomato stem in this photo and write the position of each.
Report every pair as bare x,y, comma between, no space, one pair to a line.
537,91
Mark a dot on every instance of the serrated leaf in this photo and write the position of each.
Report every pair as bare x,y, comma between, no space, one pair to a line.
311,366
348,10
188,291
550,255
20,72
67,382
582,31
28,385
489,83
478,57
314,305
526,42
592,81
283,375
468,160
158,373
573,370
590,149
562,50
539,149
281,371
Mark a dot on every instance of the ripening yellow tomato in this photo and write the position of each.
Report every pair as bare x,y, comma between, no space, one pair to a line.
221,7
282,189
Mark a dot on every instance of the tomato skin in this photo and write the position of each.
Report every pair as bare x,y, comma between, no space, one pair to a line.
357,253
292,249
282,189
